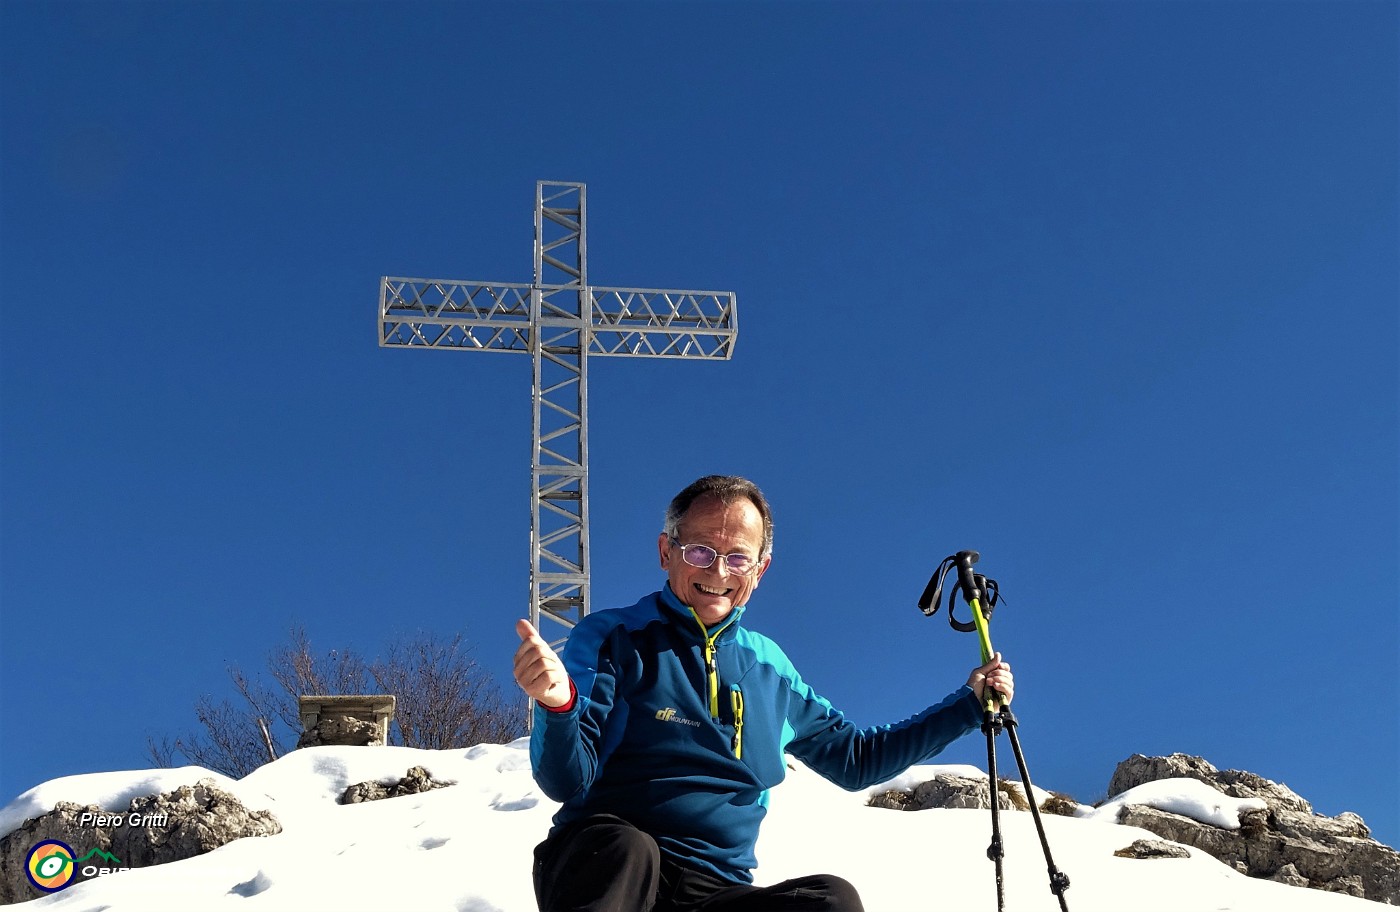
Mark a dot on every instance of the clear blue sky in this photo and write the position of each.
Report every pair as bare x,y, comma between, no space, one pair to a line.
1105,291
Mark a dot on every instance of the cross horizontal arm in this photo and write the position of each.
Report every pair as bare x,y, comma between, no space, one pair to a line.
495,316
662,323
441,313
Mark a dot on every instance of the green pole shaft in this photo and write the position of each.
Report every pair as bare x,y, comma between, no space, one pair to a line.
993,699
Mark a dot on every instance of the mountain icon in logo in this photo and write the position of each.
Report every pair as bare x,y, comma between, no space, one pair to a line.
105,856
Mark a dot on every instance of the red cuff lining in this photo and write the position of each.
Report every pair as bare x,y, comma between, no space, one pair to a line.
573,698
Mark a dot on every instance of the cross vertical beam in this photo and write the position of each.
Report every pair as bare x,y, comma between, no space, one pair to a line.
560,320
559,578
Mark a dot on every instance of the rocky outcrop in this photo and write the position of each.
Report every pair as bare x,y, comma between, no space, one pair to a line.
416,781
1137,770
154,829
949,791
1285,841
1152,848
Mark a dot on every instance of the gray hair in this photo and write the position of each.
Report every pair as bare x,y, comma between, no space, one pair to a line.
727,489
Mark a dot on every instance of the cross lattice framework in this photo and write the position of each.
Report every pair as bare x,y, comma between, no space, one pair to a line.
559,320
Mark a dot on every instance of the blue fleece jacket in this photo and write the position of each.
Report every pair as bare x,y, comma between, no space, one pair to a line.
682,730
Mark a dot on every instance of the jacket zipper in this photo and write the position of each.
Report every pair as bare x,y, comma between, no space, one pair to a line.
711,668
736,696
712,675
736,700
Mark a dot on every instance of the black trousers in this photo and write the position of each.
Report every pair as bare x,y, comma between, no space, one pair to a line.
605,864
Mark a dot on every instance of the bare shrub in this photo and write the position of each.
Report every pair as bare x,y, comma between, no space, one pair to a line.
444,699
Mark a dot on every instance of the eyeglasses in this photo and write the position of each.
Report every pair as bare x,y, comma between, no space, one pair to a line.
703,556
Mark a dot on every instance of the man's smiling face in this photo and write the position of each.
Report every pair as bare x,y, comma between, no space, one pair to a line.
714,591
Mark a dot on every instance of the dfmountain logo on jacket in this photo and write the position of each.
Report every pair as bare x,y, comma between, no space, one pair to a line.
669,715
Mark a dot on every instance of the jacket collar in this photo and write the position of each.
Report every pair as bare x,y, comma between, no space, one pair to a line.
680,613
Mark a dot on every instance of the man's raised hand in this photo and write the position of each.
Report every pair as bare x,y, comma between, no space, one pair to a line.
995,675
538,669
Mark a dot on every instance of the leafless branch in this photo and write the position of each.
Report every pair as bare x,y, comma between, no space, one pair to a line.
445,699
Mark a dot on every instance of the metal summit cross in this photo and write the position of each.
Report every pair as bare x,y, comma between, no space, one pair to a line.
559,320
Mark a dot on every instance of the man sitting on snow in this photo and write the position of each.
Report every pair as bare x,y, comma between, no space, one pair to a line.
665,724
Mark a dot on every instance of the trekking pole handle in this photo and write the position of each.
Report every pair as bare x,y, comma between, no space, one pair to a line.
972,586
966,578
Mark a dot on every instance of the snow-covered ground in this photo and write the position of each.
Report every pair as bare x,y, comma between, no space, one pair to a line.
467,848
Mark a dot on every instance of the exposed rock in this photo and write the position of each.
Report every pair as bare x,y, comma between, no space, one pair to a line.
1243,784
153,830
1283,841
198,818
355,720
946,790
1060,804
1288,874
893,800
1349,884
1138,769
416,781
1152,848
342,730
62,824
1286,841
949,791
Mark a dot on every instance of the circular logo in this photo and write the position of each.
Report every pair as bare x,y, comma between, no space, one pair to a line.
49,865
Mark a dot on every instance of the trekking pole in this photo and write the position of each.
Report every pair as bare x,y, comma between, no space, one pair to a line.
981,595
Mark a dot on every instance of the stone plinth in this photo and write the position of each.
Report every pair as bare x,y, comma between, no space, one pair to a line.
359,719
